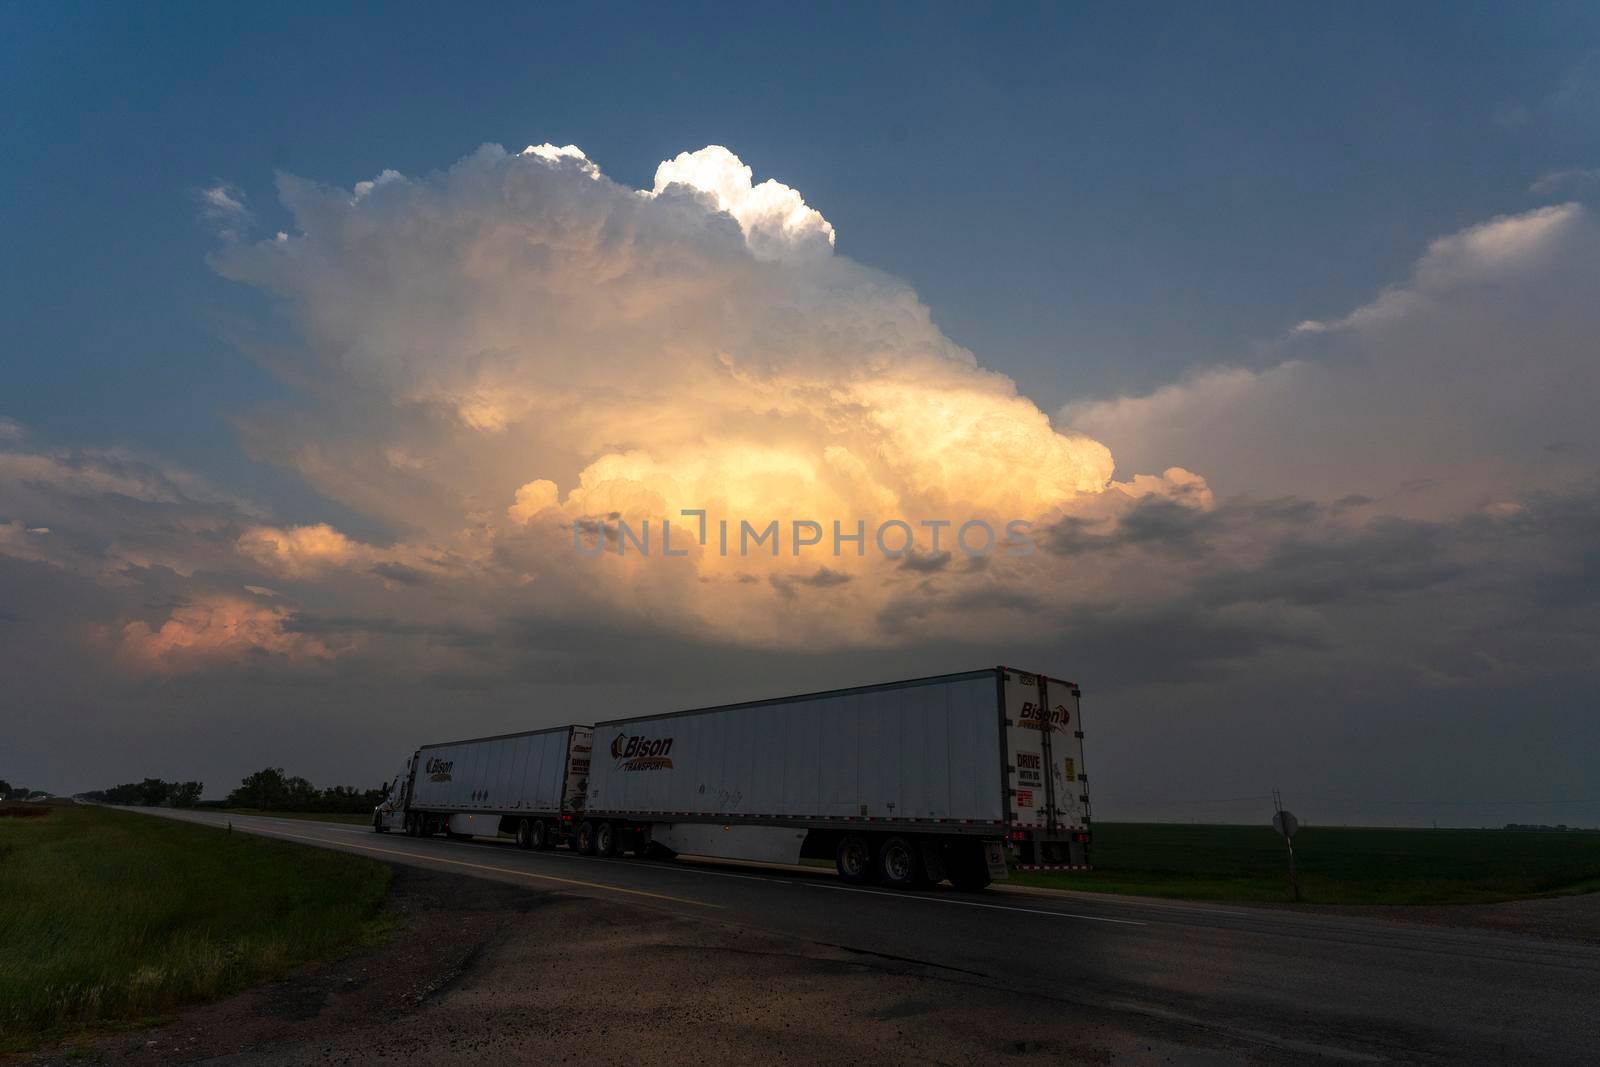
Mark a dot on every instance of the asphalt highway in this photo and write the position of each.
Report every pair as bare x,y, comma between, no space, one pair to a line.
1306,985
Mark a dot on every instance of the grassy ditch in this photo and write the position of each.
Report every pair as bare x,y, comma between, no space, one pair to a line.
1337,865
111,917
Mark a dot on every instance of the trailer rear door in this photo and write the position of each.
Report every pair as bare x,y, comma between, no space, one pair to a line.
1044,754
580,757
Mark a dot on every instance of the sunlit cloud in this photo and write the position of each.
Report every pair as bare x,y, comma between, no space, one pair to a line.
519,348
217,628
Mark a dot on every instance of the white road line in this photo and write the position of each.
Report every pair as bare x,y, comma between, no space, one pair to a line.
1120,900
498,870
975,904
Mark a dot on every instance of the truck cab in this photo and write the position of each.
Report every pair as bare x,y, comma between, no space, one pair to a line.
390,814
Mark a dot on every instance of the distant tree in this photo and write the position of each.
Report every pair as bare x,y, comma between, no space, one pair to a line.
264,789
5,789
299,794
347,798
186,794
127,793
17,792
153,792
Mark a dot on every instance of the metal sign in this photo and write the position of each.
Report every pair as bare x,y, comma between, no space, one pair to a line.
1285,823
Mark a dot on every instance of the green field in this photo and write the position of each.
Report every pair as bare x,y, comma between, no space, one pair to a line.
109,917
354,819
1337,865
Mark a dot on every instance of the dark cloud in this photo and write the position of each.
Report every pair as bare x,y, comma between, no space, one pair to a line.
1173,527
926,562
1388,558
823,578
399,572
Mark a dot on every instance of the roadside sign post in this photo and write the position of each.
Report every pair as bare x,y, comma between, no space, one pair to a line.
1286,824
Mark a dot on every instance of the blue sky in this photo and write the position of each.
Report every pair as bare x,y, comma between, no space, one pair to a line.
1299,300
1093,199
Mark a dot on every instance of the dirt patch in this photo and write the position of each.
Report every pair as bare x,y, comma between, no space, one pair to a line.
481,972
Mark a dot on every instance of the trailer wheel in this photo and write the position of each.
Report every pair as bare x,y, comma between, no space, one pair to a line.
537,835
585,841
853,858
411,825
605,840
524,834
899,867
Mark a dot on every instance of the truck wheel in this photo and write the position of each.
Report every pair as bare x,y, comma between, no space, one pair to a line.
853,858
377,823
585,841
411,826
537,835
524,834
899,867
605,840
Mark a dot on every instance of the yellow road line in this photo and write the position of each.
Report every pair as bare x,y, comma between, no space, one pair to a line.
499,870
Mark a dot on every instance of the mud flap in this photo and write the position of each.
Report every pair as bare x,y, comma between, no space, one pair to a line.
994,854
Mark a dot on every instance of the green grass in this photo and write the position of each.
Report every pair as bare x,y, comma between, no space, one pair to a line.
353,818
1337,865
111,917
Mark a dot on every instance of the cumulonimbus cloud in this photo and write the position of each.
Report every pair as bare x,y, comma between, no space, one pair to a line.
516,346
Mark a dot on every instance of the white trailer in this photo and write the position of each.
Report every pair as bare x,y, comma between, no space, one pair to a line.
529,784
905,783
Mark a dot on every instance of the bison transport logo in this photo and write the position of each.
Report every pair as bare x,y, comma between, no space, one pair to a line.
439,769
1033,717
641,753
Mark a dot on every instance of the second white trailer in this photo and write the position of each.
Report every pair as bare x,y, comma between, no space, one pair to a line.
527,784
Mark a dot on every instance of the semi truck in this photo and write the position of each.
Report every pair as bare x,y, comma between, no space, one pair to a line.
955,777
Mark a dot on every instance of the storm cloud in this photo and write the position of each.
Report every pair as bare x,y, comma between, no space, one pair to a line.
1391,519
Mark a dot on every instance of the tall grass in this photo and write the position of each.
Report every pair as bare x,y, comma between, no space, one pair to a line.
108,916
1337,865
